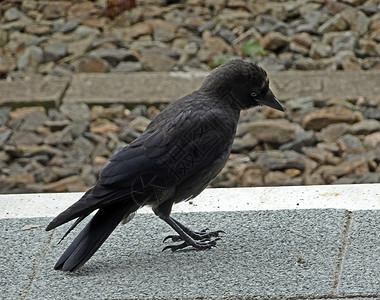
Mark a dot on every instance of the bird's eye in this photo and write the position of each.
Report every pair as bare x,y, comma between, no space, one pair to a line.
253,94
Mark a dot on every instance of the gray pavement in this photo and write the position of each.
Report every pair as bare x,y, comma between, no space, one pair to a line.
281,254
156,87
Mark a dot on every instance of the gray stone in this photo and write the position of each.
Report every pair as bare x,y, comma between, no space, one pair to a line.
277,131
303,139
157,62
83,31
365,127
81,149
213,47
113,56
350,143
92,64
54,52
277,160
336,23
30,59
4,135
4,115
320,50
333,131
357,20
13,14
68,26
78,127
305,103
75,111
127,66
3,37
347,41
21,138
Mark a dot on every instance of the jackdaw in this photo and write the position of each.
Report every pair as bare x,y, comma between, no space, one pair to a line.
174,160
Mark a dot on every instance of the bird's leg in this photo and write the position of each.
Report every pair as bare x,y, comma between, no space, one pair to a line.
199,240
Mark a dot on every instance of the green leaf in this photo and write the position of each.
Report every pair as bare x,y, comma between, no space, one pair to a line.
252,48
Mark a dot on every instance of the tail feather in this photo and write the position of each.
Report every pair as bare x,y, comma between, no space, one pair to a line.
93,236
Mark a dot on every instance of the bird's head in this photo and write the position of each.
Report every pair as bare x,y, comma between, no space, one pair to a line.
245,83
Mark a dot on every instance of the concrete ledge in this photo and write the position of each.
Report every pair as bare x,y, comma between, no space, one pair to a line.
279,247
35,91
156,87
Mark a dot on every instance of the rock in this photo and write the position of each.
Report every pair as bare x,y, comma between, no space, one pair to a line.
306,63
93,64
277,160
356,165
59,138
83,31
56,125
163,30
127,67
252,177
333,131
357,20
277,131
4,115
336,23
5,133
372,113
213,47
81,150
347,41
80,47
13,14
54,52
139,123
103,127
274,41
7,61
319,119
157,62
67,26
23,178
29,60
81,11
37,29
280,178
320,50
140,29
321,156
113,56
367,177
3,37
75,111
365,127
371,141
55,10
305,103
303,139
25,111
350,143
21,138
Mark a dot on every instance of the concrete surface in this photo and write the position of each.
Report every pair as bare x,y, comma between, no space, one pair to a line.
268,252
156,87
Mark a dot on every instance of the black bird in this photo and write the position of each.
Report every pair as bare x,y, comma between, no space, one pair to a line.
177,156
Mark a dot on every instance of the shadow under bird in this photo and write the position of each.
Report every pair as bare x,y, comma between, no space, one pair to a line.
174,160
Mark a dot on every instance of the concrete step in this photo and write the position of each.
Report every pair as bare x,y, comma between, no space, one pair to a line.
306,242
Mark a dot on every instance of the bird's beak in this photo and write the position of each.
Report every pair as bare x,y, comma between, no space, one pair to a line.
270,100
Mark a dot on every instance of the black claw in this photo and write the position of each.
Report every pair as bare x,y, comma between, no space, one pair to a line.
174,238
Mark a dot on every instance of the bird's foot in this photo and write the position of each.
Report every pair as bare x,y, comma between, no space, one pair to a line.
196,235
200,240
199,245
